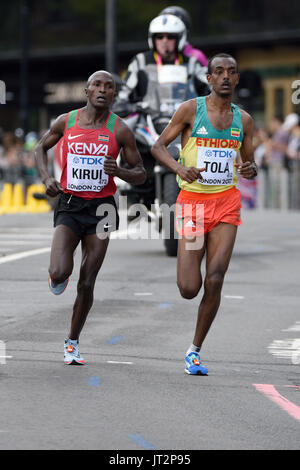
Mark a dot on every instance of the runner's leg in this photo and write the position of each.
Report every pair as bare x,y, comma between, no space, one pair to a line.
93,253
220,242
189,279
61,259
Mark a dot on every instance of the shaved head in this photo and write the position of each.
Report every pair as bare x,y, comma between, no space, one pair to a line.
222,55
99,72
100,89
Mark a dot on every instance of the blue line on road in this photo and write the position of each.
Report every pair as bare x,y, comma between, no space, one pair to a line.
165,305
94,381
115,339
141,441
258,248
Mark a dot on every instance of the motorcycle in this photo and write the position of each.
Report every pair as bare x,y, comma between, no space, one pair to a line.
147,121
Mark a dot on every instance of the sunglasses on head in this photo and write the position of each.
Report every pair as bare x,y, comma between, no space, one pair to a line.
163,35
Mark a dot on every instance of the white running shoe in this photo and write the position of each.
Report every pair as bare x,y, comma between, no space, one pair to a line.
71,353
57,289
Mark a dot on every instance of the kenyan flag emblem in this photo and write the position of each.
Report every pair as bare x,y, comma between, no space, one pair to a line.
235,132
104,138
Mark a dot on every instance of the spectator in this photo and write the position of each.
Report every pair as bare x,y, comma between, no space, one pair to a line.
277,163
2,160
11,162
29,170
7,141
279,142
249,188
262,148
291,125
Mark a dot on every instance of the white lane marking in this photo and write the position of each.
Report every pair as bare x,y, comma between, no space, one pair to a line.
23,235
24,254
234,296
295,327
286,349
125,234
119,362
20,242
143,293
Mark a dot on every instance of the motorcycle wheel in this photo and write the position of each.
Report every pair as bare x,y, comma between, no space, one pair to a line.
170,193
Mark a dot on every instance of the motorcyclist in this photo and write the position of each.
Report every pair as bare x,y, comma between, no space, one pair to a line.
167,39
188,50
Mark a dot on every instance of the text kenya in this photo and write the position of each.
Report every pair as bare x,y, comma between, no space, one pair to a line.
87,149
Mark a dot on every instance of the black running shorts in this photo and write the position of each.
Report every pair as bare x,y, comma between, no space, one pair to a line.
86,216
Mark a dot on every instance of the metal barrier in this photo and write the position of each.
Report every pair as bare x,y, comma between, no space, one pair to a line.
276,188
279,188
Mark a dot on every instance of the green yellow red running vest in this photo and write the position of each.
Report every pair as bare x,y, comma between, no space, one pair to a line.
212,149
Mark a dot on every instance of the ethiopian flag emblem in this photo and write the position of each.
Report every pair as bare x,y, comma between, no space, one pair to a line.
235,132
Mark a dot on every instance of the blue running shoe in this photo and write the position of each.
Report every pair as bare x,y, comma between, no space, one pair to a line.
57,289
193,365
71,353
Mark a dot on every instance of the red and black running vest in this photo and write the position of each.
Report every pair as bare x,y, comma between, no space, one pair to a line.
83,155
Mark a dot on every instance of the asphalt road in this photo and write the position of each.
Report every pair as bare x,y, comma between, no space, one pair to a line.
133,393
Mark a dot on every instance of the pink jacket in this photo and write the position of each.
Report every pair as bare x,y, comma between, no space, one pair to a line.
190,51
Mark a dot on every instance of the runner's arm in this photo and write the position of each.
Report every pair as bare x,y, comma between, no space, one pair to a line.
248,168
181,119
52,136
136,173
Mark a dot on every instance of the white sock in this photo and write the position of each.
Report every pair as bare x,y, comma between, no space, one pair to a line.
193,348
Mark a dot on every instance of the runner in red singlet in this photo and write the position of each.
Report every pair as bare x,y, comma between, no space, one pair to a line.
86,209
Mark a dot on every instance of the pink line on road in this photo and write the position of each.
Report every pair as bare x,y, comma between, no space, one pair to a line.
271,392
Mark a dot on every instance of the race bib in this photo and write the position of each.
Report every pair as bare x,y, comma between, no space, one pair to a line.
218,164
86,173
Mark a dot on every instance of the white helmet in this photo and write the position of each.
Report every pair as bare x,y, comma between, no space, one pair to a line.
167,24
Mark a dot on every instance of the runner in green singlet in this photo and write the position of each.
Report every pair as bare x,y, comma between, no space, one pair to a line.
213,131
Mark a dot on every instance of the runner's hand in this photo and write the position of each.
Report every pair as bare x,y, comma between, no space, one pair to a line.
247,170
53,187
110,166
190,174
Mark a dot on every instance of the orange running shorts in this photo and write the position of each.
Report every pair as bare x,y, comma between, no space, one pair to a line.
199,213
